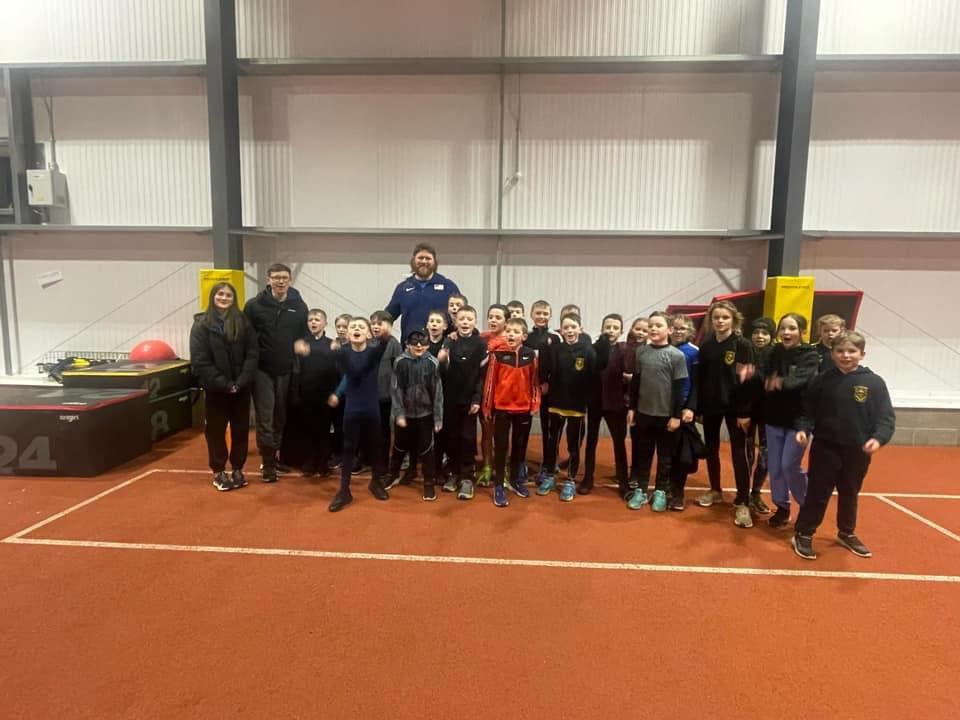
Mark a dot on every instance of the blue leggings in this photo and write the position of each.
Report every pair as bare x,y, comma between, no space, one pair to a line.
783,463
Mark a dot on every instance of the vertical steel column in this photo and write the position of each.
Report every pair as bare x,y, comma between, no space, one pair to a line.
793,136
22,140
223,114
22,157
502,127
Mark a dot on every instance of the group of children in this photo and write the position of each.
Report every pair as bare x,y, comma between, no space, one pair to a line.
424,400
367,399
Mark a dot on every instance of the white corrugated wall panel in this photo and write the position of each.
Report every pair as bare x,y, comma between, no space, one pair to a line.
368,28
357,275
263,28
381,152
644,27
116,291
885,160
631,276
3,115
101,30
889,26
913,340
131,159
638,152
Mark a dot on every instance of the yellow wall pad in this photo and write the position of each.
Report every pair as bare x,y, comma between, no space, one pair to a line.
209,278
785,294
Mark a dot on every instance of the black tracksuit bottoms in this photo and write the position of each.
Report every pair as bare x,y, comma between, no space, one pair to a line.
460,440
417,439
361,431
574,424
510,430
738,452
832,466
650,433
318,418
224,409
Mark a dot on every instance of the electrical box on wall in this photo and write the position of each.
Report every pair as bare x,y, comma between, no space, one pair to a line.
46,188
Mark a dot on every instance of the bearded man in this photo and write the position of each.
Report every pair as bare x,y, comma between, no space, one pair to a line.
424,290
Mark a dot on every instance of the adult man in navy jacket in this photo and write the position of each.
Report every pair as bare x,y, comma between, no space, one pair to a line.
423,291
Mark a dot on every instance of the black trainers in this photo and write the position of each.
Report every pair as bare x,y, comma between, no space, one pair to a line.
237,478
409,475
757,504
429,492
676,503
390,481
377,490
340,501
803,546
780,519
221,481
269,474
585,487
852,543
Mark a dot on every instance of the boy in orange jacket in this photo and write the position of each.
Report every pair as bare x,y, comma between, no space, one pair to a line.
511,397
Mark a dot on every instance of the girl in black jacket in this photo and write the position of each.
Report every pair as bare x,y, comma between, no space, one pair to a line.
791,366
223,353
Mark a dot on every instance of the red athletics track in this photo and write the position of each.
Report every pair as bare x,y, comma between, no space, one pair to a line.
166,599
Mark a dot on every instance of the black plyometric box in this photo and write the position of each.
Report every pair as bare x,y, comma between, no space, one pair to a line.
172,413
53,431
159,379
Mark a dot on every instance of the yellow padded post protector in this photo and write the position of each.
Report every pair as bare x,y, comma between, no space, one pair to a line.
209,278
786,294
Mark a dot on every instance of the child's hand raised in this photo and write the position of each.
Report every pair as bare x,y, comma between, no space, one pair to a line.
335,345
443,356
301,348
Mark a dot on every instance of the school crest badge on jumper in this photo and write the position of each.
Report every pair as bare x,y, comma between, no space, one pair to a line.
860,393
579,364
729,356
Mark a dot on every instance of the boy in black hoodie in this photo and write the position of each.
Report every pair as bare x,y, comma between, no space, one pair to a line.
538,339
462,371
849,411
317,378
567,370
278,315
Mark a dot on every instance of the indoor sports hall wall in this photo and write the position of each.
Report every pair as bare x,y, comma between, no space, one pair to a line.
620,153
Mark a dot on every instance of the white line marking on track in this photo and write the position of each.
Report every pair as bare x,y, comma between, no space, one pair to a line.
515,562
921,518
702,488
932,496
79,505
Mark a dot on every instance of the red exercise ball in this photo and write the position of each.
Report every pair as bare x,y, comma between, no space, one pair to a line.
152,351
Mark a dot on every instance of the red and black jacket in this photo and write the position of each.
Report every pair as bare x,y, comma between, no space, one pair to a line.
513,381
